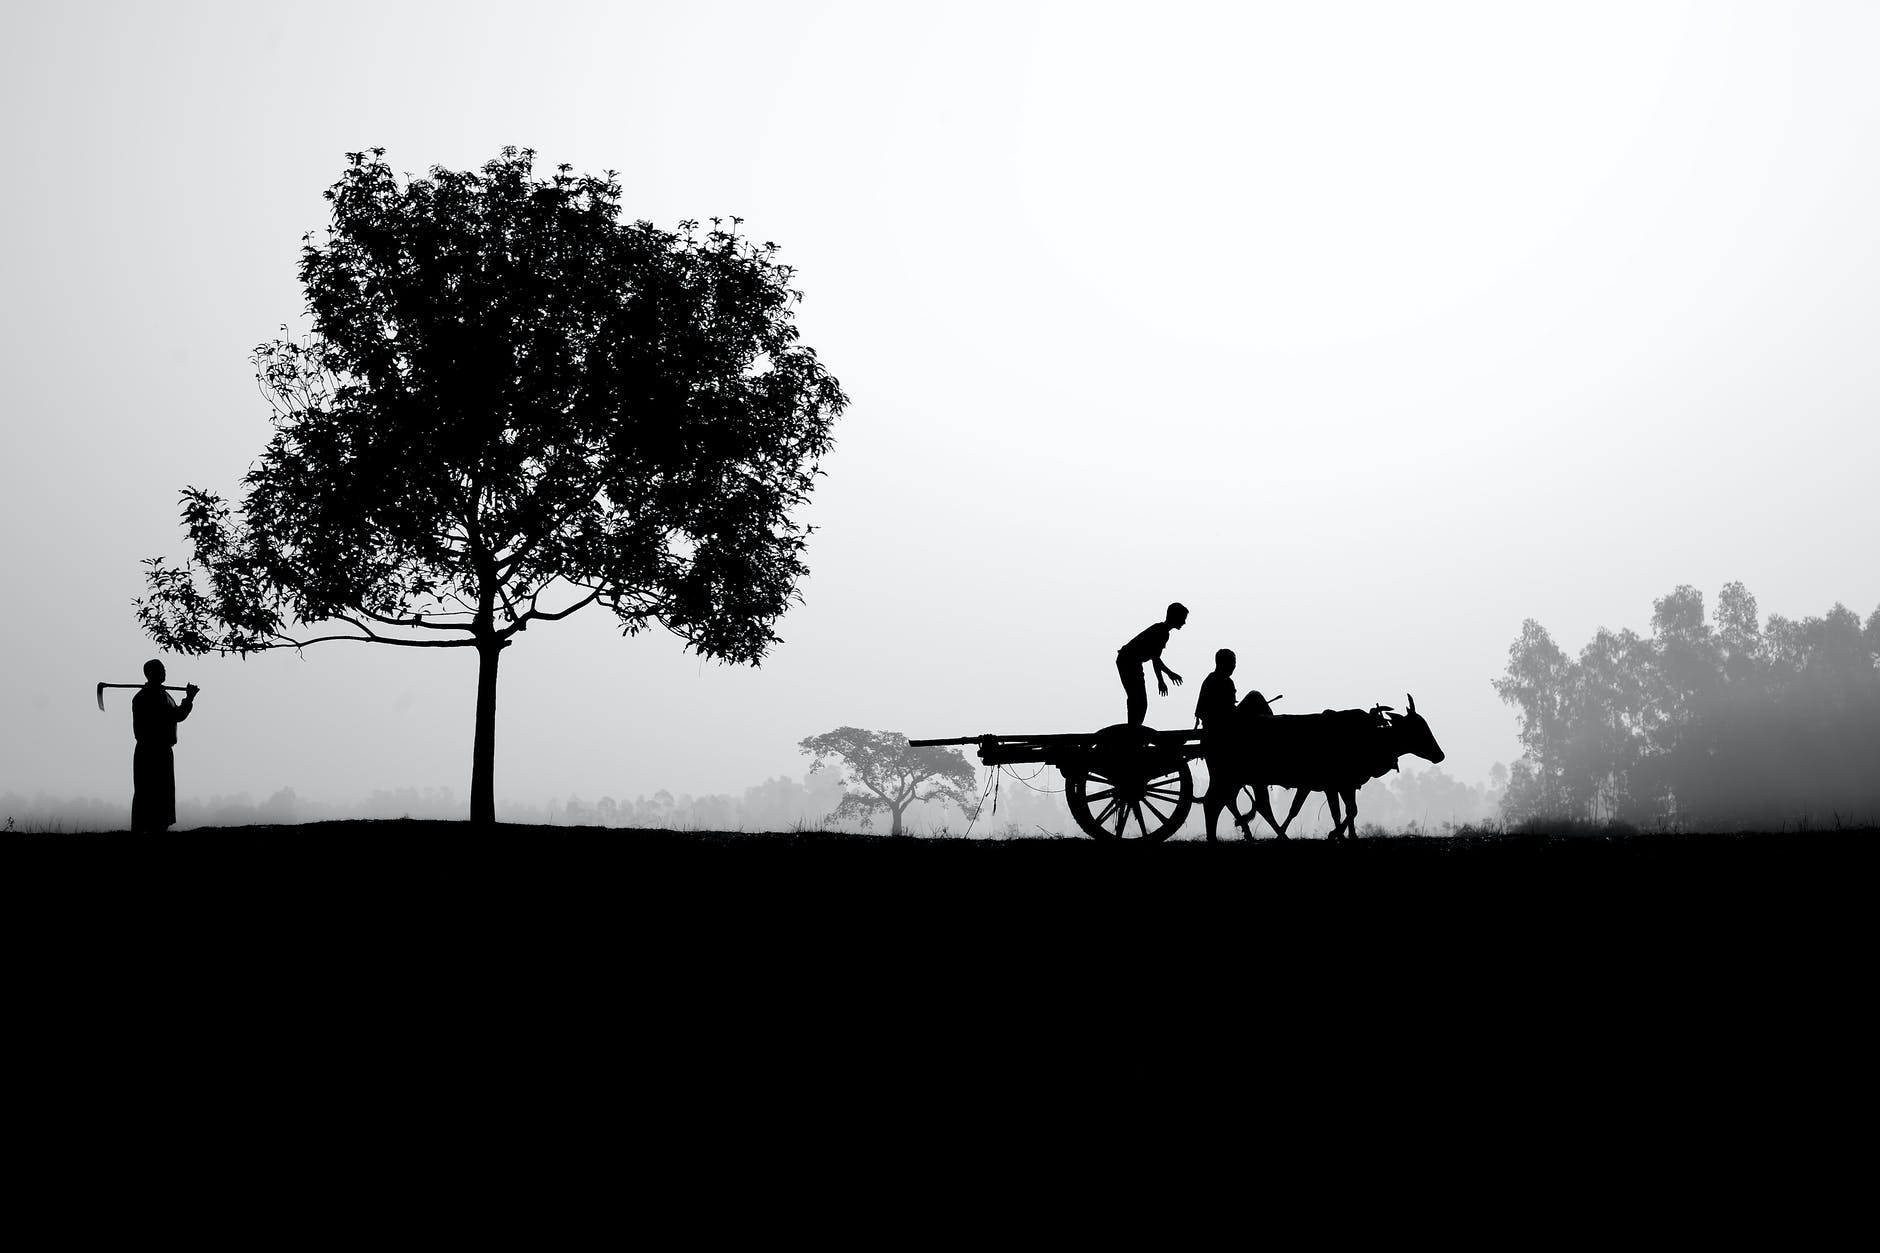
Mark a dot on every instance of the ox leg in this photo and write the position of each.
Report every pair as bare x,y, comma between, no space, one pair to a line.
1262,806
1351,812
1221,794
1338,823
1299,803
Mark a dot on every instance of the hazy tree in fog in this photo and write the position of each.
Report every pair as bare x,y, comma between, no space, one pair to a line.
885,775
1539,680
1708,721
1608,712
513,405
1739,640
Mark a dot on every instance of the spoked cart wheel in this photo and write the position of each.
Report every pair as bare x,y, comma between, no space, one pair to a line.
1128,788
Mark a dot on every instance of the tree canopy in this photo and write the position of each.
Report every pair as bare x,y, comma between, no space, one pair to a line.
512,405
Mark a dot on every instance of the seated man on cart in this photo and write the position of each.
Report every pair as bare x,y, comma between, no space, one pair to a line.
1223,749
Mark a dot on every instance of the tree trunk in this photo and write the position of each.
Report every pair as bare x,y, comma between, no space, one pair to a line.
483,752
894,809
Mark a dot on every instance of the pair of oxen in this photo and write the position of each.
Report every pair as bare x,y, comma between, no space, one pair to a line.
1335,752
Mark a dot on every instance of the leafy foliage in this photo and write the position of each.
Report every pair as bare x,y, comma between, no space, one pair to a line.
886,775
1717,721
512,405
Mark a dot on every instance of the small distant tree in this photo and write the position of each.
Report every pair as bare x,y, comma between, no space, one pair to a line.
884,774
512,406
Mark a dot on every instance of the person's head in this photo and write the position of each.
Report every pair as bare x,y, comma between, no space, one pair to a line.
1224,660
153,670
1177,614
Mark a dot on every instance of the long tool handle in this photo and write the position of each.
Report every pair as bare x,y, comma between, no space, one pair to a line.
102,686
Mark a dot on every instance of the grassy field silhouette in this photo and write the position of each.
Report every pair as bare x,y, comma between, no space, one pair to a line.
1746,876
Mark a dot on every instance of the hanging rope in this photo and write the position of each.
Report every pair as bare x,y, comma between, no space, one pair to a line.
992,781
1027,778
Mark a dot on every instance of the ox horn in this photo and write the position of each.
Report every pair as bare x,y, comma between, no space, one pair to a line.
1411,700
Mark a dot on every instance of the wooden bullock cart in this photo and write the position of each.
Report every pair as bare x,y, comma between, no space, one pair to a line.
1121,783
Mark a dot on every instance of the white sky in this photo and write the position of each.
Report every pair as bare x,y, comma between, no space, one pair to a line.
1365,330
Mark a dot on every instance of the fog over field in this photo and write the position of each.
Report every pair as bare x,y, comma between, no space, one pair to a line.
1367,331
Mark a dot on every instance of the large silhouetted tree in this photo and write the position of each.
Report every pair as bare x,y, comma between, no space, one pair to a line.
513,405
887,776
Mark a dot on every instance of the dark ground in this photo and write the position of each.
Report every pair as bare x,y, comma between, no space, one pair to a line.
1379,928
1551,888
1554,986
1651,953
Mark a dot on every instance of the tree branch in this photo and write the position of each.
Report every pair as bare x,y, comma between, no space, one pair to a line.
289,642
509,609
372,637
557,616
416,622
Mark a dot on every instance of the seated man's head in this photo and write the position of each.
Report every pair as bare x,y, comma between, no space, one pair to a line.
153,670
1177,614
1224,661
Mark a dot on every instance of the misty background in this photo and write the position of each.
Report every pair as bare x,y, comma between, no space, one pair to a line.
1369,332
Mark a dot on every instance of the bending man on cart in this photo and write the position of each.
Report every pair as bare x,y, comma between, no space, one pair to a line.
1146,648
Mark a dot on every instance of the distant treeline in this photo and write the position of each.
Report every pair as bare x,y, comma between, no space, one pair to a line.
1711,723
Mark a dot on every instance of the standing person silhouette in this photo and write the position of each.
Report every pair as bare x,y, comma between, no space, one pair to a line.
1147,647
154,716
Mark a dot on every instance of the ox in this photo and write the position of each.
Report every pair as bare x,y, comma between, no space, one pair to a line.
1335,752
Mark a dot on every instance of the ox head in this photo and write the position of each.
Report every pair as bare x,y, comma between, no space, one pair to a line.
1413,734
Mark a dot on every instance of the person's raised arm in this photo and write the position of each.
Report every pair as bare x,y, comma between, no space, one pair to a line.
189,702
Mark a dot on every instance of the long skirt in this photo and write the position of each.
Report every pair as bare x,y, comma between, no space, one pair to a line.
153,773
